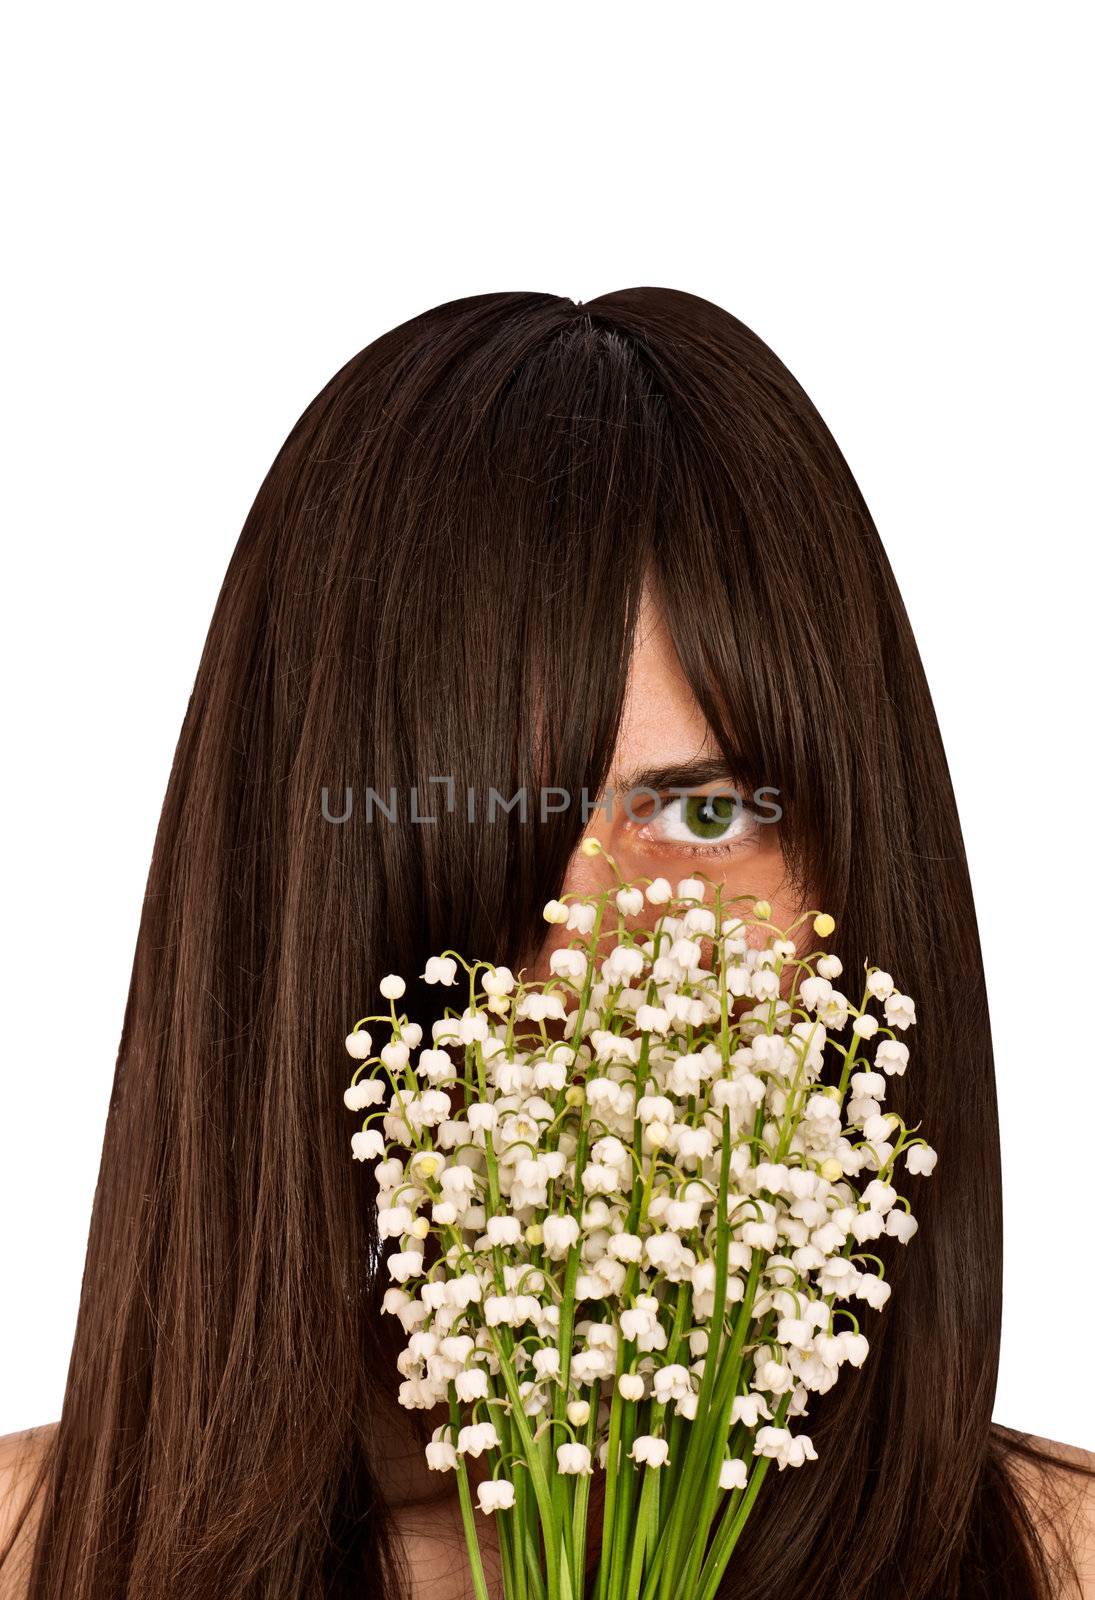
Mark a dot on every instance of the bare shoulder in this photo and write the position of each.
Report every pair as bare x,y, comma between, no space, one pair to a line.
20,1457
1058,1482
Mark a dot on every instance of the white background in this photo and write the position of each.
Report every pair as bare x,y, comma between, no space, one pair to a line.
210,207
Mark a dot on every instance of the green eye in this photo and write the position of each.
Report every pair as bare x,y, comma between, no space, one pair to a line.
709,816
692,822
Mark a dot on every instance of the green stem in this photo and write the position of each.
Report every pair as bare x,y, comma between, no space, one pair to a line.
706,1579
850,1056
615,1465
581,1493
471,1535
701,1446
648,1516
730,1530
625,1496
540,1482
679,1430
643,1532
514,1581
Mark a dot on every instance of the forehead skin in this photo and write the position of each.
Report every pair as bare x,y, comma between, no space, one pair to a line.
662,723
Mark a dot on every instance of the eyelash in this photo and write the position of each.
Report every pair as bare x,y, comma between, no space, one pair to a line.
678,847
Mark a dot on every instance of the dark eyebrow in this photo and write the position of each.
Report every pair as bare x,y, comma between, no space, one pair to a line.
685,775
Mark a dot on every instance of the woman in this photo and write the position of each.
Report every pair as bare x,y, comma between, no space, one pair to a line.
517,544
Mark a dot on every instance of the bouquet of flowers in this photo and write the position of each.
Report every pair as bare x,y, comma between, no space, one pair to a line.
633,1208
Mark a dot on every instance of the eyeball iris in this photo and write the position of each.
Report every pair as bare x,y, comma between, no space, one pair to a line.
709,816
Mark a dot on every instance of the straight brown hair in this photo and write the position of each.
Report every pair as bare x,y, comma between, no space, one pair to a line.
440,576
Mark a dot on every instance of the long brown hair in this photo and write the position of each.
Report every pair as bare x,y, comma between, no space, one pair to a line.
440,577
